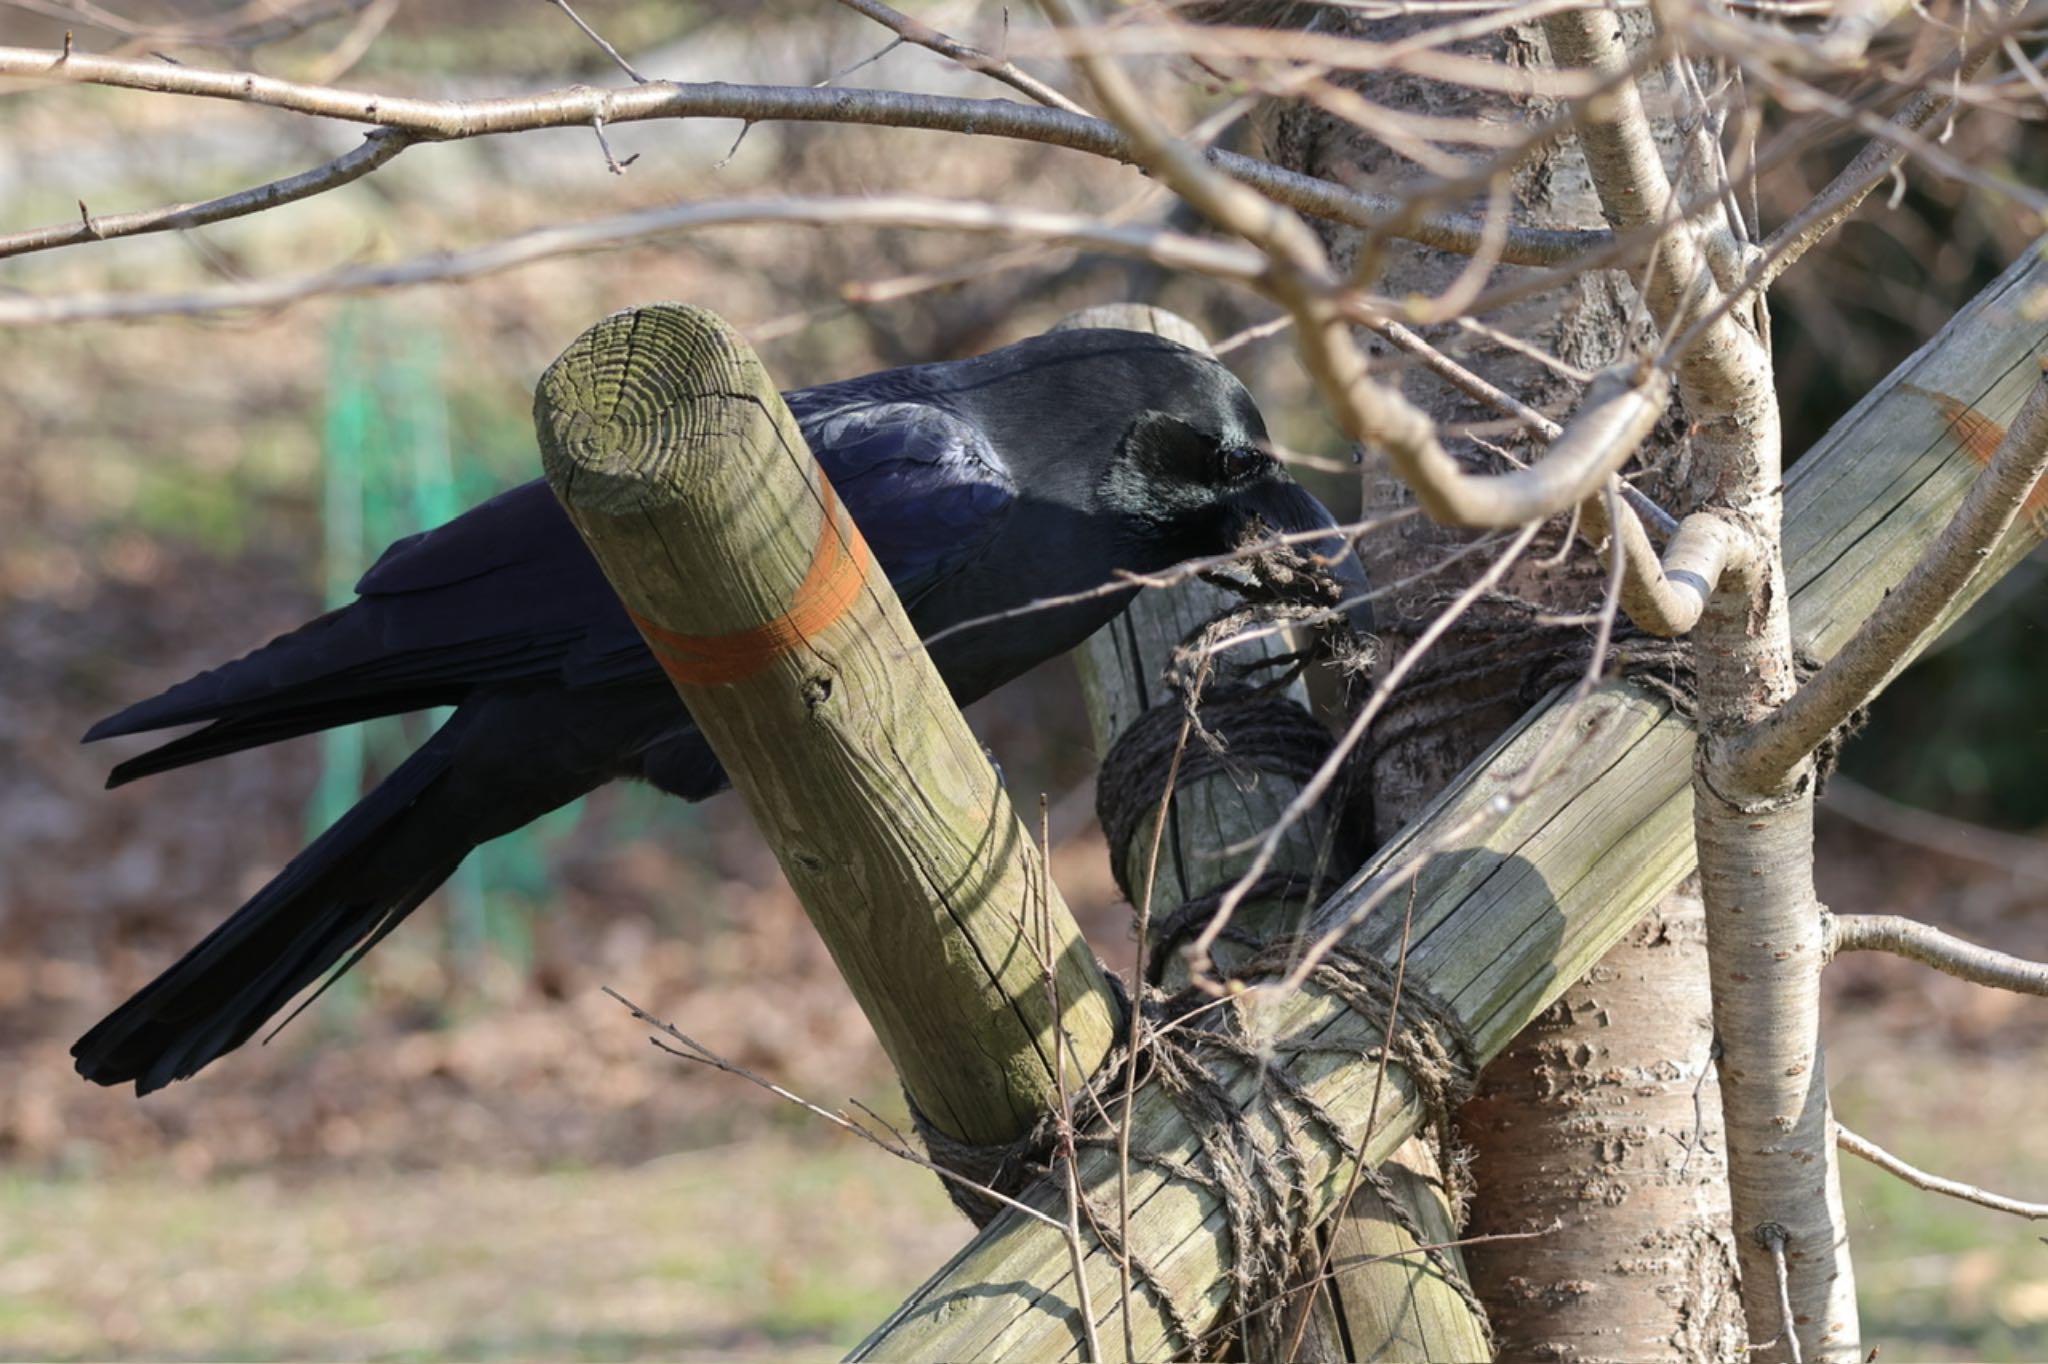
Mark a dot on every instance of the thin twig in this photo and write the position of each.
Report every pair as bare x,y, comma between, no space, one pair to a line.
1609,425
599,39
1319,783
377,149
1463,379
611,163
1772,1237
356,43
1930,946
1144,908
1225,260
1805,97
1909,611
574,106
2019,855
1354,1262
1920,1179
1699,1105
916,31
231,31
693,1050
1372,1112
1069,1158
1879,158
1188,570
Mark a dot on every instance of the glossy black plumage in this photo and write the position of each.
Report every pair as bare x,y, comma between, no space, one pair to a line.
1035,471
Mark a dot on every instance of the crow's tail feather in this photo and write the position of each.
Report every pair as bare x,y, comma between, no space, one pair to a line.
334,670
345,891
322,646
259,727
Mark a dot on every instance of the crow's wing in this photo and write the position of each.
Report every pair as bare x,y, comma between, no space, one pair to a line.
502,592
924,485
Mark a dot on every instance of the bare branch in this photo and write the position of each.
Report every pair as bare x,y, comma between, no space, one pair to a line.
431,119
1225,260
912,30
2025,65
1419,55
598,38
1318,785
1928,945
1609,425
1048,956
1665,598
1774,1239
1876,652
1614,418
1628,174
1187,570
1846,36
1463,379
1906,141
1920,1179
378,148
231,32
1878,159
356,43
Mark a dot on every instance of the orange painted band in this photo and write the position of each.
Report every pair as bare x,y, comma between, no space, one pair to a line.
839,568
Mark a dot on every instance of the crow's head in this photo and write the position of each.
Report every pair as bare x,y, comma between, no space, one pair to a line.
1156,447
1191,471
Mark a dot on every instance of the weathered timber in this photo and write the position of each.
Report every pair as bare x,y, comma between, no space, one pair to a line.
1385,1298
678,461
1520,896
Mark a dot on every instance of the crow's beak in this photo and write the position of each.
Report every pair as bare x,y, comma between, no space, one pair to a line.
1281,506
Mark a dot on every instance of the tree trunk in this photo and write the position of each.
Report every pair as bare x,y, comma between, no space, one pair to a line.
1584,1121
1599,1123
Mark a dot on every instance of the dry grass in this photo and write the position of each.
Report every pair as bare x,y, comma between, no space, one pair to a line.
777,1248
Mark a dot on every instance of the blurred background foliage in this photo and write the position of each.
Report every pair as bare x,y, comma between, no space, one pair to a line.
470,1151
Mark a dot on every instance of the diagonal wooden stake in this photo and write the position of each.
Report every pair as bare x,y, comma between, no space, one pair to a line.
677,459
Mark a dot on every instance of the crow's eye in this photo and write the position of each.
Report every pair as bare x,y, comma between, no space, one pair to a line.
1241,463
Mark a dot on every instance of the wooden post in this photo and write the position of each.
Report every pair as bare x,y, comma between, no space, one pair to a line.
1391,1303
1529,892
677,459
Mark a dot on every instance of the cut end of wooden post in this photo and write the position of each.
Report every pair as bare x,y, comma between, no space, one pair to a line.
632,404
1138,317
692,484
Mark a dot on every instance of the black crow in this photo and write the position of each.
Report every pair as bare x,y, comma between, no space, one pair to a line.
981,485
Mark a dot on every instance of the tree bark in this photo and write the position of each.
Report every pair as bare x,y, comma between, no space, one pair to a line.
1545,1120
1610,1130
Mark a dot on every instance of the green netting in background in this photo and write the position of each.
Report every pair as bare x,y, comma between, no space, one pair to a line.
389,470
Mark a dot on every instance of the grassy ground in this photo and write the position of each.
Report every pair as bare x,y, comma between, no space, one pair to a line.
770,1249
793,1244
1939,1279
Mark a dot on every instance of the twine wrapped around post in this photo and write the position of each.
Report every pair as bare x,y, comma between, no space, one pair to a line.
1387,1298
